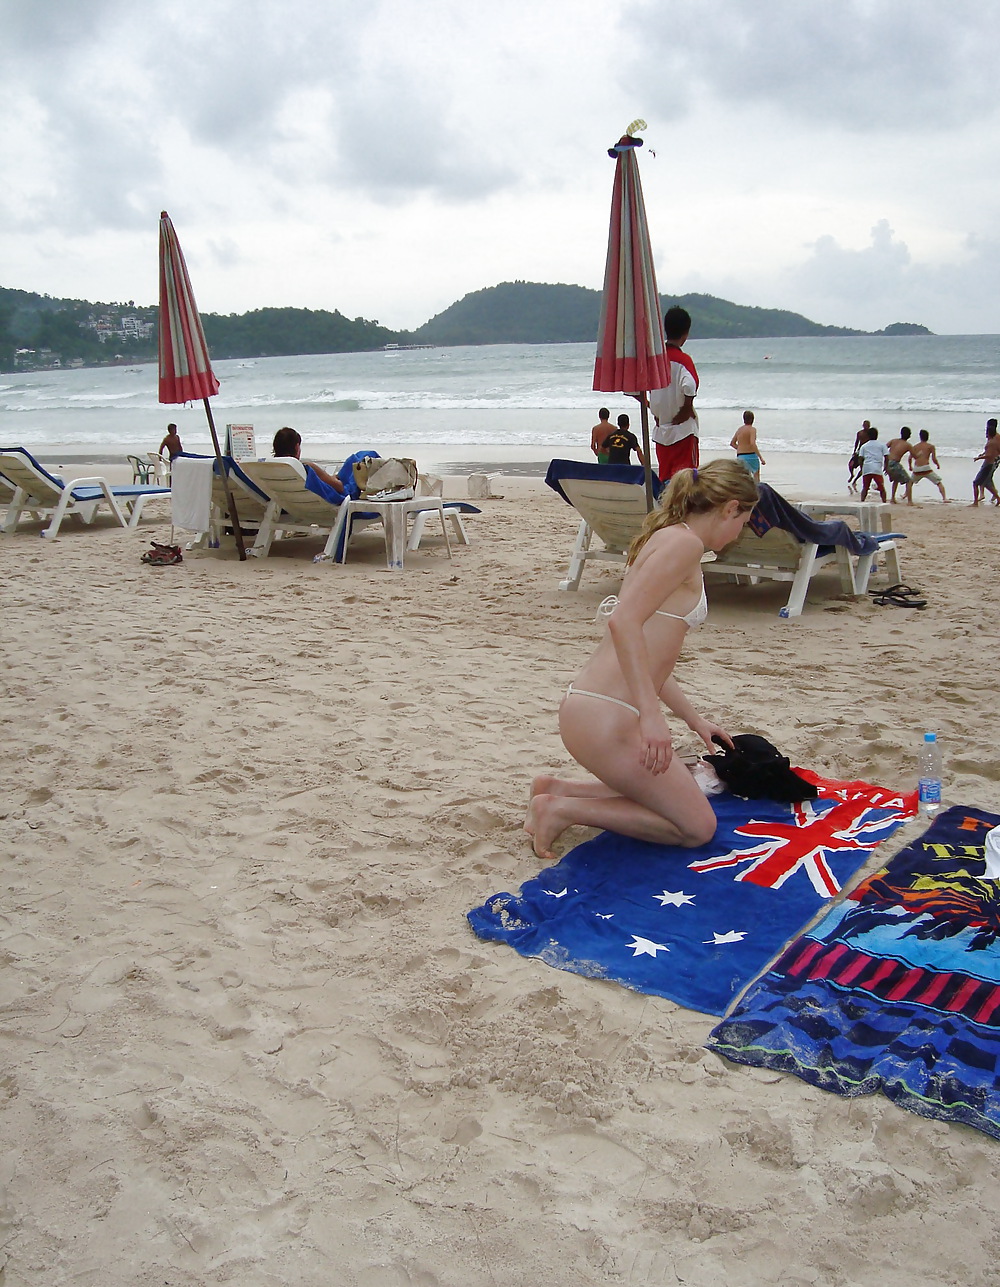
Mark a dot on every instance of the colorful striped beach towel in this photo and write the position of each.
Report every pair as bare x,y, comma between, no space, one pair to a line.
897,989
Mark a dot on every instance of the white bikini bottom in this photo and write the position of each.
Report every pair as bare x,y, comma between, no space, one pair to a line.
602,697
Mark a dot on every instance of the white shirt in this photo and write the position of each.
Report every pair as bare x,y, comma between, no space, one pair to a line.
665,403
873,455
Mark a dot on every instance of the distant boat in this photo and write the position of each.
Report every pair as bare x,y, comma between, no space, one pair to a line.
404,348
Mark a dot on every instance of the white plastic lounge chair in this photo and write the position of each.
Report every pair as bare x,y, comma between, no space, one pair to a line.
778,555
41,494
251,503
292,509
611,500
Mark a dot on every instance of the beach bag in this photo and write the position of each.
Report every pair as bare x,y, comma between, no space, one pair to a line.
755,769
385,477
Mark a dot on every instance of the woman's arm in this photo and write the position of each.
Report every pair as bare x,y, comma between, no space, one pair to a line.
331,479
674,700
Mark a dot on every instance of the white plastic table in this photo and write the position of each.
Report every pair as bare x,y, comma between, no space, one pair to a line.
394,515
872,516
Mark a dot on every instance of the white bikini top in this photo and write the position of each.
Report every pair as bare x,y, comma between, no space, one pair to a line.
693,618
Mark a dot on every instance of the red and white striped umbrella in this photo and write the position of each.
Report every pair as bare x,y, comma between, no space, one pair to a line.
185,368
631,351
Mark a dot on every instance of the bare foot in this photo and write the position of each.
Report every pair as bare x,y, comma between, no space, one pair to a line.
545,784
543,824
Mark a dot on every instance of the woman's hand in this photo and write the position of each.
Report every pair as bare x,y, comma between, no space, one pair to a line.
705,729
655,748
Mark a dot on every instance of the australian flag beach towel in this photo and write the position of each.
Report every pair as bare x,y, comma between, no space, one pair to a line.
696,925
897,989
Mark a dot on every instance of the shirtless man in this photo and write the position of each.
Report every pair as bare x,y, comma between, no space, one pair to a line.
990,456
925,464
744,443
854,464
898,448
172,442
599,432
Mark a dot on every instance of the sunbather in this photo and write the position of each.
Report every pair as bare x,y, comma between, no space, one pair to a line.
610,720
288,442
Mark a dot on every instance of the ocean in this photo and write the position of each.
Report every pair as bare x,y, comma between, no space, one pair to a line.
514,406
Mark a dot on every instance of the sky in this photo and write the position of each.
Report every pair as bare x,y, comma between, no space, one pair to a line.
385,158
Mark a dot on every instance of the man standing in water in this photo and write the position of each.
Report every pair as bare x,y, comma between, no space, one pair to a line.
925,464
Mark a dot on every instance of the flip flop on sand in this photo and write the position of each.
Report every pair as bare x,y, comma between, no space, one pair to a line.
906,591
897,600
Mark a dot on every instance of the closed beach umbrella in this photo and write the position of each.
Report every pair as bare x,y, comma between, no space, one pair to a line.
631,351
185,368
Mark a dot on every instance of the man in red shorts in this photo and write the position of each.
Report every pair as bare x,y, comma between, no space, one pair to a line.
676,430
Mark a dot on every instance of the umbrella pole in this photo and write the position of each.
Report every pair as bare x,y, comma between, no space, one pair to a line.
646,452
230,503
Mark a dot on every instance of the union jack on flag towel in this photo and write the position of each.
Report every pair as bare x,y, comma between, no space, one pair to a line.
696,925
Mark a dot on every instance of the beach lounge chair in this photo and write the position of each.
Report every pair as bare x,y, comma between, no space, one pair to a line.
781,543
251,503
611,502
41,494
292,509
297,510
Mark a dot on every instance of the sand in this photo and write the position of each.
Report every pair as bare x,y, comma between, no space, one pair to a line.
248,1035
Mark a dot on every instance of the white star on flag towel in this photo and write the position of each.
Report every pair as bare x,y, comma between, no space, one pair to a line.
645,947
666,899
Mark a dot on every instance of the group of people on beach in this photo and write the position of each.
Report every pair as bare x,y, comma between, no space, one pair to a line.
675,422
871,459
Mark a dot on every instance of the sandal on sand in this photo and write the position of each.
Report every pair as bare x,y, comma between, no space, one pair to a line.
904,590
162,555
898,600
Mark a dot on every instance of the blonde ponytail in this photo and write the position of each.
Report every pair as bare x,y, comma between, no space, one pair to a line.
696,491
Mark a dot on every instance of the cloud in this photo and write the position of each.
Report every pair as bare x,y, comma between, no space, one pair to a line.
882,283
860,65
102,113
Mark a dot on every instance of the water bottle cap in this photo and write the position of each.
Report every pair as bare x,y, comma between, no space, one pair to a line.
930,737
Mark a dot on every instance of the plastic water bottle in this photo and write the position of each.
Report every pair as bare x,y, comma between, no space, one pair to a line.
929,774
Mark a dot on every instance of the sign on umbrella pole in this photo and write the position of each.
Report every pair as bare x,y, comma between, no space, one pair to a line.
185,368
631,350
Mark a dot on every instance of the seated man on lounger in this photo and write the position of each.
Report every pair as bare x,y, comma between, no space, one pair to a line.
288,442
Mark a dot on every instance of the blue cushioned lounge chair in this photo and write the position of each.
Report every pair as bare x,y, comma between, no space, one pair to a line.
44,495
